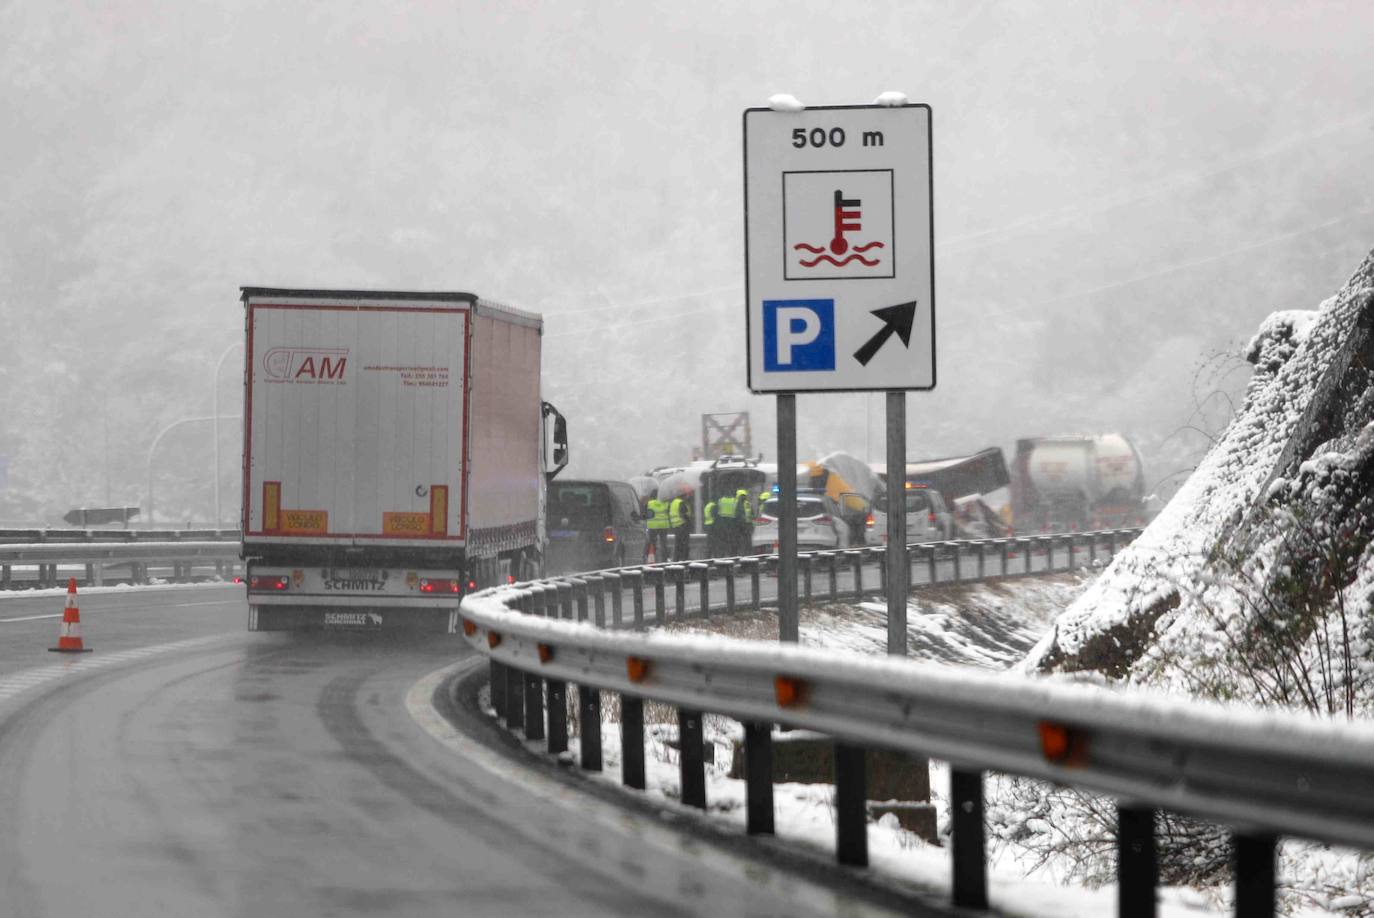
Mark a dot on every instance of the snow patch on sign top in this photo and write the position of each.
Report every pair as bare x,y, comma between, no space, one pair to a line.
785,102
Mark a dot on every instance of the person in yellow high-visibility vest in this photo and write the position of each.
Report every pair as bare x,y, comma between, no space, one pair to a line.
658,524
744,520
680,523
715,530
726,524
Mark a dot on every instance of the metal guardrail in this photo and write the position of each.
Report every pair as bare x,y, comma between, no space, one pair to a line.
720,583
41,560
35,536
1262,774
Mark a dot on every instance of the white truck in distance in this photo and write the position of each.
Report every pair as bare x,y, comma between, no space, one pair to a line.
396,454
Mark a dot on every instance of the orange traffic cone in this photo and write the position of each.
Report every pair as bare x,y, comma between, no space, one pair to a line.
69,638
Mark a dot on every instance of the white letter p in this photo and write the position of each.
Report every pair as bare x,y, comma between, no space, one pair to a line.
797,326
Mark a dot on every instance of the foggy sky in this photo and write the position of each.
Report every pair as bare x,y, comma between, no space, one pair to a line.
1122,193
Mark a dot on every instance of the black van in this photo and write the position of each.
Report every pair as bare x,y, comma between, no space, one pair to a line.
594,524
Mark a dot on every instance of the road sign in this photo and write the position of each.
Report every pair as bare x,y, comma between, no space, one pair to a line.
839,248
726,434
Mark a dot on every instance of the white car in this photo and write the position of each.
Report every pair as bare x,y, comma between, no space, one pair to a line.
819,525
927,520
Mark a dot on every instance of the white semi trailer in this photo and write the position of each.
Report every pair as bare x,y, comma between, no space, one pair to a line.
396,452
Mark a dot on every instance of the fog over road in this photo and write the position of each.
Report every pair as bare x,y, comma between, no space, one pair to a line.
282,774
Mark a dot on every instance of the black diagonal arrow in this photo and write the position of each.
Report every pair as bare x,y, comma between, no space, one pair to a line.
896,319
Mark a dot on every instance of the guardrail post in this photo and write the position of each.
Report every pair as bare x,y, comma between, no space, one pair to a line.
515,698
615,585
565,600
754,583
534,707
806,576
730,588
1005,545
704,573
934,572
558,716
958,568
5,575
632,741
1254,875
680,589
758,778
579,589
1111,543
598,586
90,574
982,561
851,815
691,761
660,602
882,576
589,713
637,584
858,559
1092,548
832,560
1049,552
966,818
496,682
1136,870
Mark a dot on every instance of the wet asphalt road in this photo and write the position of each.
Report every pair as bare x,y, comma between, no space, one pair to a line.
282,774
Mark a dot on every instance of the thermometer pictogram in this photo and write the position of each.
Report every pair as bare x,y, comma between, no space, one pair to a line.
847,216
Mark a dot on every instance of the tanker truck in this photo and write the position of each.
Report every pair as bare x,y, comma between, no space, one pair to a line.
396,453
1077,483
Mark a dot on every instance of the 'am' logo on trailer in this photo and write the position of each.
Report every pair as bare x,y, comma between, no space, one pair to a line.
305,364
798,335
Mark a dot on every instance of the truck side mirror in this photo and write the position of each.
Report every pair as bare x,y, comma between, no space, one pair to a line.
560,441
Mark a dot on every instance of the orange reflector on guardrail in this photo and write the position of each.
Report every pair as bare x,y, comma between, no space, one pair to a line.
789,690
493,639
469,627
637,668
545,652
1063,745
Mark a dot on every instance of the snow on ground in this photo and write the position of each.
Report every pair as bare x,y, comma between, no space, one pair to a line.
804,815
991,624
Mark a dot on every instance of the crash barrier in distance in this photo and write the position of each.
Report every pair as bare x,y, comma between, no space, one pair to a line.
625,597
1262,775
24,566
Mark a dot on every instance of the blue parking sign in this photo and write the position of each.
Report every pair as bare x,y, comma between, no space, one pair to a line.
798,335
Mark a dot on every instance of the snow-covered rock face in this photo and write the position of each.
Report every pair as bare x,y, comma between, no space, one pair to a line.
1282,486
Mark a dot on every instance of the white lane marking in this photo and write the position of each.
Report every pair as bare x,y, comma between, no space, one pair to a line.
32,618
32,678
805,897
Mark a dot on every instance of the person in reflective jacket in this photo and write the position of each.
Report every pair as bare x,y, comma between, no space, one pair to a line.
680,522
658,523
744,523
715,531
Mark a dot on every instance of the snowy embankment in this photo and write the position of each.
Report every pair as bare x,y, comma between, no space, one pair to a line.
1293,450
1254,586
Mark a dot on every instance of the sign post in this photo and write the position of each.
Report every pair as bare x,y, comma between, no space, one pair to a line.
840,288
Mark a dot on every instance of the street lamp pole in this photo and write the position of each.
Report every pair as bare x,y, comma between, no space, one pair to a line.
158,439
214,385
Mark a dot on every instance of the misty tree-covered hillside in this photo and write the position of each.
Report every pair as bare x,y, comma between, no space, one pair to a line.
1257,581
1118,191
